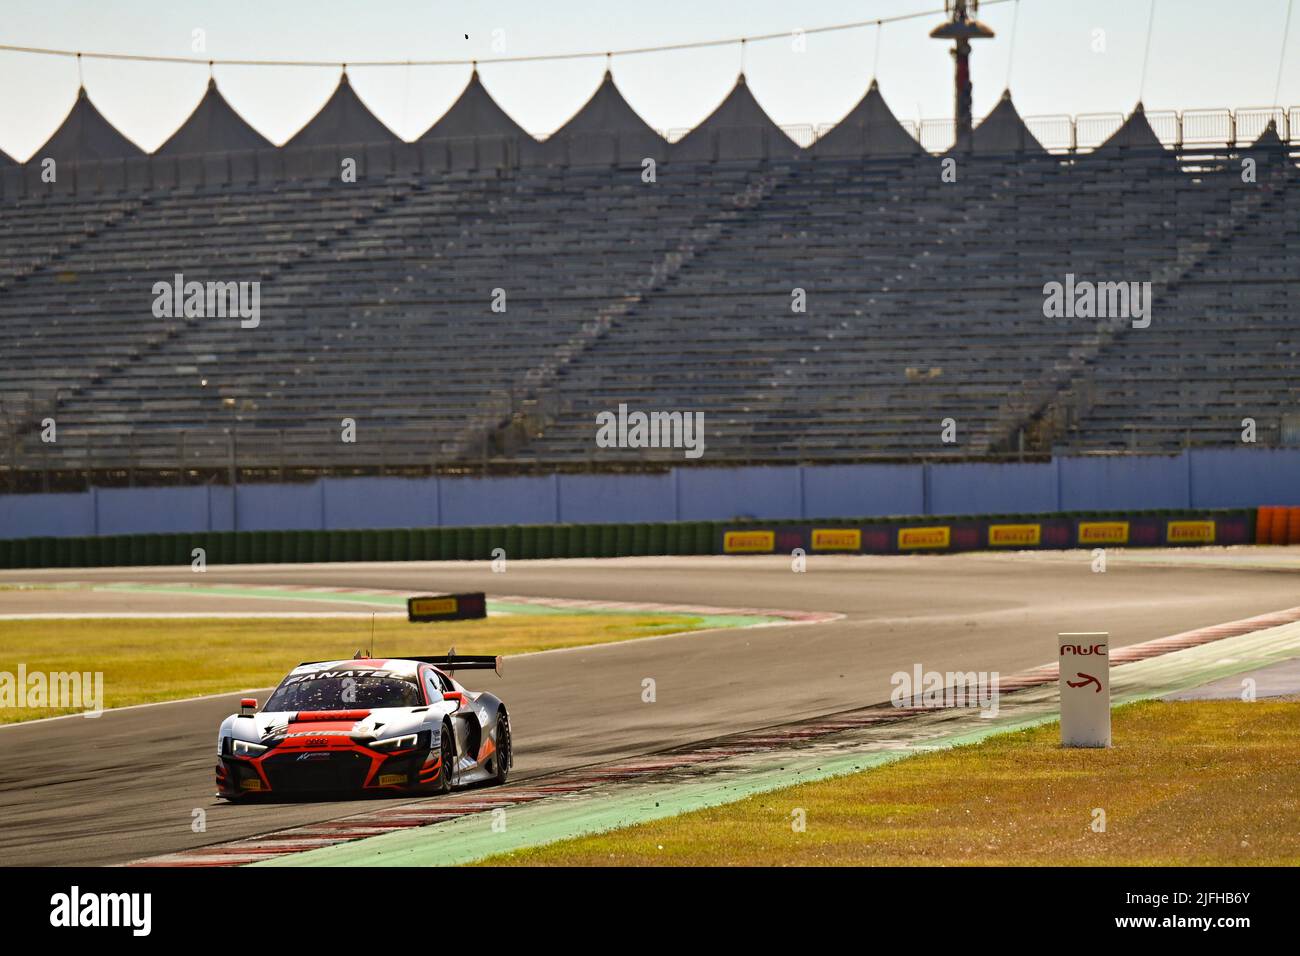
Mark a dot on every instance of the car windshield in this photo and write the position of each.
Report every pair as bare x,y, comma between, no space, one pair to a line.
345,691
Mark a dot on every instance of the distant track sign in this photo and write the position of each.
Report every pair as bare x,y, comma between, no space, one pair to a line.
1084,683
446,607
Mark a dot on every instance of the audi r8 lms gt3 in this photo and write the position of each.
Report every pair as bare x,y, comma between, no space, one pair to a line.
367,725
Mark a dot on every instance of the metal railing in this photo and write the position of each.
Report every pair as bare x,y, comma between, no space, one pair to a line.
1062,133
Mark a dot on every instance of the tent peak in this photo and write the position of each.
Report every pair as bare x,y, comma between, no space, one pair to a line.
1269,138
868,129
1003,131
1135,133
86,135
474,113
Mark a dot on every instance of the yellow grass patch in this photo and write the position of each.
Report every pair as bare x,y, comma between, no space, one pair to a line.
1196,783
146,660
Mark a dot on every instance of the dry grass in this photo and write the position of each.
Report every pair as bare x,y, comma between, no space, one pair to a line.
149,660
1201,783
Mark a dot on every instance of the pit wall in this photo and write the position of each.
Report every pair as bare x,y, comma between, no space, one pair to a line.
870,535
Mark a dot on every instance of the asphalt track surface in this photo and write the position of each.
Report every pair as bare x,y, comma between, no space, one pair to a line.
77,791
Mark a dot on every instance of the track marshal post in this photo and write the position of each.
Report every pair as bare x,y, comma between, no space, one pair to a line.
1084,681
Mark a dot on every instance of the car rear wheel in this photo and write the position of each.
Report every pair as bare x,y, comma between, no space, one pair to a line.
504,753
447,754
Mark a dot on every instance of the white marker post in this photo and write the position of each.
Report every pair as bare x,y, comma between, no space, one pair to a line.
1084,681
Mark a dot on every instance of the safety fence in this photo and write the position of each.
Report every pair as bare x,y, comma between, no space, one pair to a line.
896,535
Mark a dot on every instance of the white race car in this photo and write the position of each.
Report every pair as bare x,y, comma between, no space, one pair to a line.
367,725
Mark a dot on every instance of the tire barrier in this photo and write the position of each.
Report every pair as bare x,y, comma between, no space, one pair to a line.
1278,525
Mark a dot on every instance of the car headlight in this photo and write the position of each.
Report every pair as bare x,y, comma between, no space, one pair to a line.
244,748
404,742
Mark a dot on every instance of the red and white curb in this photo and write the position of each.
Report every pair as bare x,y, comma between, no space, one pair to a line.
388,819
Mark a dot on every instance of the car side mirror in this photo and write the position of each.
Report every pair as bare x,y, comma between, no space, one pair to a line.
248,707
455,695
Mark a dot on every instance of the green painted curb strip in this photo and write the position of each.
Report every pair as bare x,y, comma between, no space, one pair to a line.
471,838
397,601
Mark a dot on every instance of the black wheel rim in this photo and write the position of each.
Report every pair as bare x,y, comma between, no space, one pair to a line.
448,760
503,745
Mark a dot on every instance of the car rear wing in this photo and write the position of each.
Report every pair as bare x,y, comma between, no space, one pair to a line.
447,662
458,662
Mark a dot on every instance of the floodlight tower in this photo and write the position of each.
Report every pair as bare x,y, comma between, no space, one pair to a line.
962,27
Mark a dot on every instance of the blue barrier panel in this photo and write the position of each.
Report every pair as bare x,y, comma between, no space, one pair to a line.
281,507
1206,478
1238,477
718,494
1114,483
380,502
152,510
47,516
862,490
601,499
526,499
221,509
986,488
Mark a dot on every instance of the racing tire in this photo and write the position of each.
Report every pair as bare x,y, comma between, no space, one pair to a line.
505,749
447,752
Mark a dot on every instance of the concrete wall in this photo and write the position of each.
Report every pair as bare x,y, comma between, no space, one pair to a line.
1209,478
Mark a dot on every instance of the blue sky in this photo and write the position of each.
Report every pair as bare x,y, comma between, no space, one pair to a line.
1203,55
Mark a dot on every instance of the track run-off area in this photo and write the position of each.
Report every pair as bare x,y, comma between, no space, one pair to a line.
126,785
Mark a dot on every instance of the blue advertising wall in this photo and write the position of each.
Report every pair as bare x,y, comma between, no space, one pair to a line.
1209,478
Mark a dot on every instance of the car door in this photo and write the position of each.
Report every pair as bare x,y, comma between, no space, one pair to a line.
463,721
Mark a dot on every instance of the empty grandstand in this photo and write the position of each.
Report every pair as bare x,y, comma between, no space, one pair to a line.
475,298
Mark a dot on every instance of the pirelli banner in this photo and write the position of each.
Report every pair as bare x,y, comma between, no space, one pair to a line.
1016,533
446,607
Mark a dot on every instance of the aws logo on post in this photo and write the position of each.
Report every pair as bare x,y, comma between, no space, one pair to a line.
1083,650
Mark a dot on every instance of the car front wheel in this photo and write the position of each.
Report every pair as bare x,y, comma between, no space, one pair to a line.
505,749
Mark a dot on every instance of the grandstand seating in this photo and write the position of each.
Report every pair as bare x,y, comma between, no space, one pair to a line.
924,302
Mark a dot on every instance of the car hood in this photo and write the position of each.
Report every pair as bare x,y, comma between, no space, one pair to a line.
379,723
